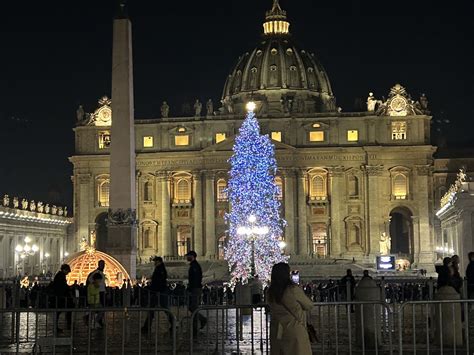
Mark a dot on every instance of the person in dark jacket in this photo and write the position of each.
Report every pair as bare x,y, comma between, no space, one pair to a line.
62,294
158,293
456,279
195,289
445,273
470,275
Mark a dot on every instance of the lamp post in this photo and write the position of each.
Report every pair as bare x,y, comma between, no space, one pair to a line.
25,250
252,232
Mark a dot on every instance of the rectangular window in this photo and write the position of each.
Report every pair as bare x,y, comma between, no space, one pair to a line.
181,140
276,136
316,136
220,137
148,142
399,131
104,139
352,135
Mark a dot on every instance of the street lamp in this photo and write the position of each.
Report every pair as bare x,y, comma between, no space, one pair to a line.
252,232
25,250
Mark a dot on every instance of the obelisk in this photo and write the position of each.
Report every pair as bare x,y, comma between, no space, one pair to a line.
122,226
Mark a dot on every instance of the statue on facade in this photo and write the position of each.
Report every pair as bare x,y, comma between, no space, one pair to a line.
54,210
286,105
228,105
16,203
60,211
32,206
47,208
80,114
424,102
165,110
197,108
65,211
6,201
210,107
24,204
40,207
371,102
300,105
385,244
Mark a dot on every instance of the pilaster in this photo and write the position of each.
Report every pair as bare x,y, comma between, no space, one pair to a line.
210,215
303,242
198,236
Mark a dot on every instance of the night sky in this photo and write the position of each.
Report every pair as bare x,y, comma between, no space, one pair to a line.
57,55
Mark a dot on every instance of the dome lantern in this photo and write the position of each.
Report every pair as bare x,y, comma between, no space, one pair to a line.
276,23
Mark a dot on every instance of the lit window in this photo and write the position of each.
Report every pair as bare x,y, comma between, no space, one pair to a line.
279,184
221,190
316,136
319,239
183,190
183,239
147,239
104,139
220,137
181,129
399,130
104,190
316,125
276,136
181,140
148,142
318,187
400,186
352,135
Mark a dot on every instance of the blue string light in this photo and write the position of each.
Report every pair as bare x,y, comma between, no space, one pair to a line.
252,192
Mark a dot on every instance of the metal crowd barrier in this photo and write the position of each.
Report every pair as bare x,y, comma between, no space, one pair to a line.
415,327
36,331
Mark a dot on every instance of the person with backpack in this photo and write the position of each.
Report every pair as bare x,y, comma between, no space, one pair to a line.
62,295
102,289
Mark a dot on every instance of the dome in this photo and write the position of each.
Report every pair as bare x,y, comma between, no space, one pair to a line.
277,70
84,262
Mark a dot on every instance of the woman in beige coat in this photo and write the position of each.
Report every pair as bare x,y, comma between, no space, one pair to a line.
288,306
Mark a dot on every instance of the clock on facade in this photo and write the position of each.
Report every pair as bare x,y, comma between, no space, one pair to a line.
104,116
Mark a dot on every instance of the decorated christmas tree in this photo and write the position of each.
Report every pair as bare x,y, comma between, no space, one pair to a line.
254,220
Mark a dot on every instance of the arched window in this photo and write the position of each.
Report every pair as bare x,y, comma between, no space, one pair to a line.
318,187
104,191
279,184
399,186
148,191
353,186
221,193
183,190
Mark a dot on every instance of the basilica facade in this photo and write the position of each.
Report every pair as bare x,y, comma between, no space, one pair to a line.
346,179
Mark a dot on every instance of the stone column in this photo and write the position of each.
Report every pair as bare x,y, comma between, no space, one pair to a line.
84,190
166,245
374,220
122,236
302,214
422,195
289,195
198,236
210,216
338,245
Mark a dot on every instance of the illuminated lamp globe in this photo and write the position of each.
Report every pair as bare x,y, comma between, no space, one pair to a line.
19,248
282,245
27,239
252,219
251,106
35,248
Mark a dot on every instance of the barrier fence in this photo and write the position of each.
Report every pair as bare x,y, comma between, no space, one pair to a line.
415,327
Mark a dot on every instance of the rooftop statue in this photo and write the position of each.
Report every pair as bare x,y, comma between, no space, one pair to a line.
197,108
371,102
80,114
6,201
47,209
32,206
24,204
15,202
210,107
165,110
40,207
